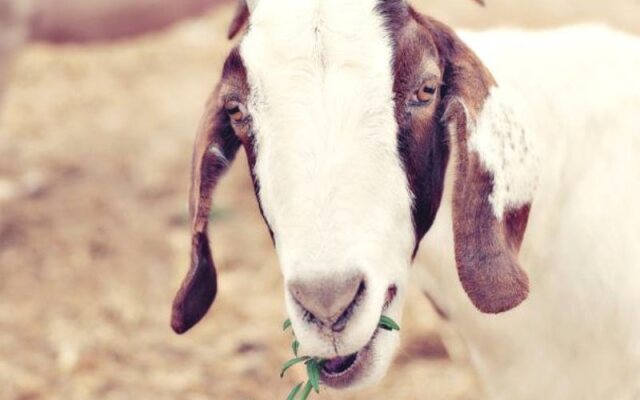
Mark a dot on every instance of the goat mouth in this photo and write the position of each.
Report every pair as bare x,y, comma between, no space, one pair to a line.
342,371
339,365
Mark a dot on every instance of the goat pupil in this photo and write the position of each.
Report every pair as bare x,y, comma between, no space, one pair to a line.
429,90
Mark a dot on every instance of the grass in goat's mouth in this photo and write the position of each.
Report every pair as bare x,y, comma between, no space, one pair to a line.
315,364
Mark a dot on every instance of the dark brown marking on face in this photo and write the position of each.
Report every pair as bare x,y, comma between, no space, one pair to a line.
238,90
486,247
250,147
422,140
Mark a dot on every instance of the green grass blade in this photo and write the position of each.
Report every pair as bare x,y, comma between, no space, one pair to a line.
306,391
286,325
313,371
295,346
388,324
291,363
294,391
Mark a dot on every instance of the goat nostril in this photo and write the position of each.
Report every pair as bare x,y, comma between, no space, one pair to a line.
340,325
330,302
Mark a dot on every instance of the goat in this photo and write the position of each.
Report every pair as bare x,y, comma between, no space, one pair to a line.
368,125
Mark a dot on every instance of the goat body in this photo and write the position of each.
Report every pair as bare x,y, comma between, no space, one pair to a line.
577,336
359,116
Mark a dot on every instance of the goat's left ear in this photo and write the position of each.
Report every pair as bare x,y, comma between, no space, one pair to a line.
215,147
495,177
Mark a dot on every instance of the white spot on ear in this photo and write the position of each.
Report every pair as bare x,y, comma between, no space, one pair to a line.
507,150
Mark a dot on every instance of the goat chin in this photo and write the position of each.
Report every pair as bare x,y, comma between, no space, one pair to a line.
578,335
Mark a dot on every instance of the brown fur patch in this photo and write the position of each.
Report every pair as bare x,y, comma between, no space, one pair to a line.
421,137
486,248
199,287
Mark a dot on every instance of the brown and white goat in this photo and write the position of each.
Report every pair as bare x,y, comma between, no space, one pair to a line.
359,117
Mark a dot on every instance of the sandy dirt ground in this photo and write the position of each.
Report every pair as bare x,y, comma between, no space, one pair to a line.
95,145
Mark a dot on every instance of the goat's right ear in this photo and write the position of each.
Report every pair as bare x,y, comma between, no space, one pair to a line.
494,166
215,146
487,238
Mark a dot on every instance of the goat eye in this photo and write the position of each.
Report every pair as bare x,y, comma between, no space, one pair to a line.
235,110
426,93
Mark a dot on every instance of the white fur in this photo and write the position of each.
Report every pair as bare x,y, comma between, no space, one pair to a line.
332,185
578,334
506,149
252,4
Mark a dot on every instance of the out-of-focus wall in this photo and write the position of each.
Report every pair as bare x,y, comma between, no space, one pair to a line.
623,14
81,21
13,31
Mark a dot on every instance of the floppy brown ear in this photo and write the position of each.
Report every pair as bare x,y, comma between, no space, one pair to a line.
215,147
486,244
494,179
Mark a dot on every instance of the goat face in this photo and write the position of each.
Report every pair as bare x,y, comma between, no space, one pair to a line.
349,111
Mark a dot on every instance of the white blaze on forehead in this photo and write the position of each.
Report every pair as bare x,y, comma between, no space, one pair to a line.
332,185
506,148
322,105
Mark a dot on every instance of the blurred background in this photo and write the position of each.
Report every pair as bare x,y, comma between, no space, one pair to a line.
95,145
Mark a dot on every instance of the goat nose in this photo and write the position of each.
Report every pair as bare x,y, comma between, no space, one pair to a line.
329,299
